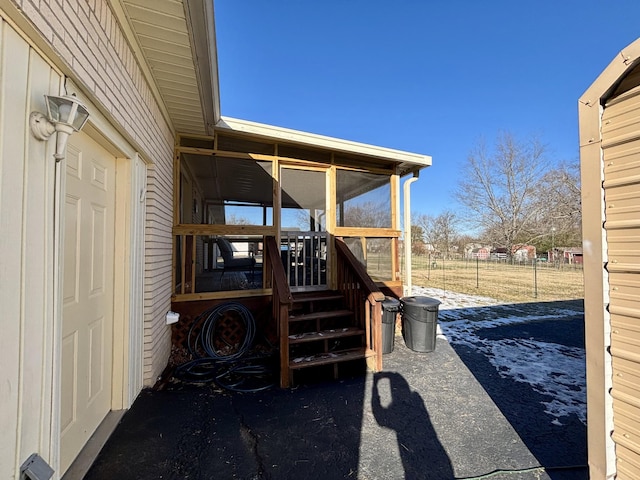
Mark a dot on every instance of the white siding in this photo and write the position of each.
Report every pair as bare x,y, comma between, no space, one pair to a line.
89,42
26,261
82,39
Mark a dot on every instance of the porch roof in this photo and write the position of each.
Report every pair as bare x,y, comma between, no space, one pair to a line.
406,161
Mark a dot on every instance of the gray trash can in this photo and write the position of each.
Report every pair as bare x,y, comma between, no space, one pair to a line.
390,308
419,322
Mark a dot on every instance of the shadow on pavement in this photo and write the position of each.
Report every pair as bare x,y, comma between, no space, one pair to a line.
554,442
344,429
404,412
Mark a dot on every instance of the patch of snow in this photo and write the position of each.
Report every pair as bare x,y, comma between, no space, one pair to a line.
557,371
453,299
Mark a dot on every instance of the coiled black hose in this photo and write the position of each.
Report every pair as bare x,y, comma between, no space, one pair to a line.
204,341
232,371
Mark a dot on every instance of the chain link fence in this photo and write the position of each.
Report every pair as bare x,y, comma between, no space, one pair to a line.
500,279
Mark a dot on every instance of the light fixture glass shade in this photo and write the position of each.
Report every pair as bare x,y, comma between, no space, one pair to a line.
67,110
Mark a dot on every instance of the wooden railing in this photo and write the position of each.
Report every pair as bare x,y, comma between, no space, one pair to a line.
304,255
282,301
363,297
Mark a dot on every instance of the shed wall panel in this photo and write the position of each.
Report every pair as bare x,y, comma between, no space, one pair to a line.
619,123
628,467
621,158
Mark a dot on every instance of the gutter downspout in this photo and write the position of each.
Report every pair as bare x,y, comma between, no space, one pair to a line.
407,232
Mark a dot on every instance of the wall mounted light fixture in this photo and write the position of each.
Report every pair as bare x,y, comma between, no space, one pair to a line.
65,115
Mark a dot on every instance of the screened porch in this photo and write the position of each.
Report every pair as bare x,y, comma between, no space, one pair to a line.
234,190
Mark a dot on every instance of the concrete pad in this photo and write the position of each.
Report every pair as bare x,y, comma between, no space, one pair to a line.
437,419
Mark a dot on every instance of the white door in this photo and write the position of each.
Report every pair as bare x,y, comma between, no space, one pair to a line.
87,324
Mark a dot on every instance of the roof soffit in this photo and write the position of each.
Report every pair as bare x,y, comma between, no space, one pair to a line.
174,42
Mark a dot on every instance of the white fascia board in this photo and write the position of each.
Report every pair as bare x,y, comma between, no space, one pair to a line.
312,139
201,24
213,50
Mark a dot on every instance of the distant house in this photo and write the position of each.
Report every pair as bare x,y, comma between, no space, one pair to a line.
431,248
570,255
481,253
499,253
469,249
522,253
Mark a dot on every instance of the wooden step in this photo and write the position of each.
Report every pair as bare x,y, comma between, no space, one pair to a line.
316,297
320,315
325,335
327,358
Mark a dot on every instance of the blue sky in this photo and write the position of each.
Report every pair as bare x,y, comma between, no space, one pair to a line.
426,76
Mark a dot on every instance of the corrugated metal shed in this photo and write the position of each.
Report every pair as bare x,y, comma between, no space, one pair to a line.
610,158
621,156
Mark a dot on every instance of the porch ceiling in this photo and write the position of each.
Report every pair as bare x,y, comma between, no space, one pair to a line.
233,181
175,42
250,182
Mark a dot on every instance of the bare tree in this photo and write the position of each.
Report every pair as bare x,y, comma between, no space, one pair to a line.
559,207
234,219
498,188
418,246
367,214
465,243
439,231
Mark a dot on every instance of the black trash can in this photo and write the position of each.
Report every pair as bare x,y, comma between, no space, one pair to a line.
419,323
390,308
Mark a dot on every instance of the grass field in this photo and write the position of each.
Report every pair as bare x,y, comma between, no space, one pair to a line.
500,280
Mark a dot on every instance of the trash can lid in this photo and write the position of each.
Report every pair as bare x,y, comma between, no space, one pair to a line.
421,302
390,301
390,304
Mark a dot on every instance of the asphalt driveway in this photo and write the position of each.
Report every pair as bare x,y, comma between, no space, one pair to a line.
453,413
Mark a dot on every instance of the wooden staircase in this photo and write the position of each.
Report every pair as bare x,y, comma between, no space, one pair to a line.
326,328
323,333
